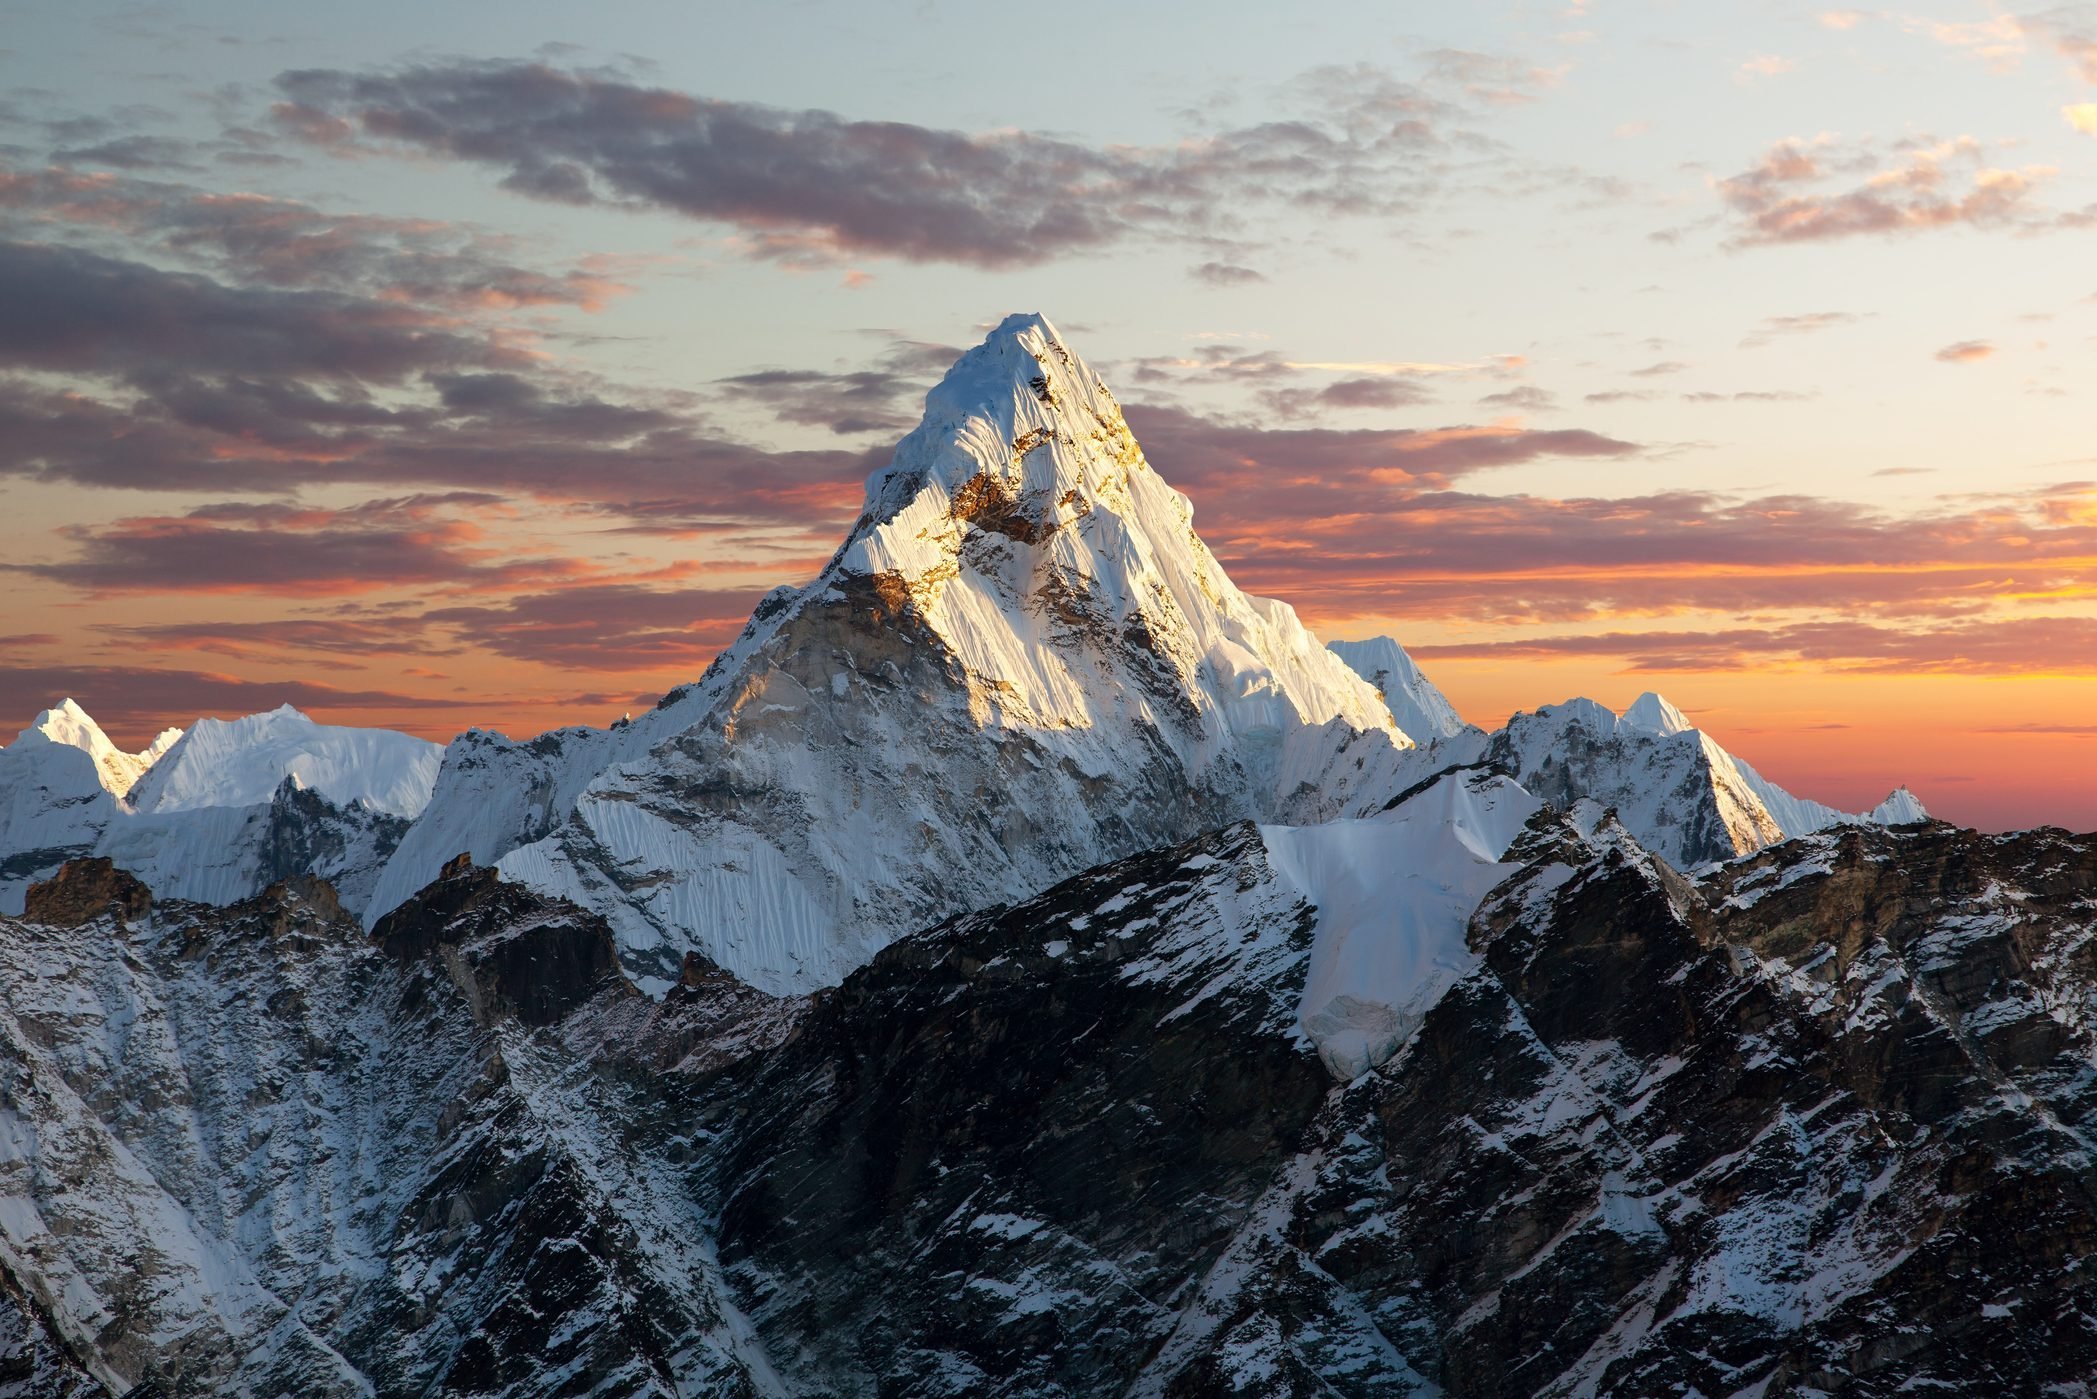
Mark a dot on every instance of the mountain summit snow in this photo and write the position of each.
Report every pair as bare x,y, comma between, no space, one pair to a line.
116,771
1420,708
1022,662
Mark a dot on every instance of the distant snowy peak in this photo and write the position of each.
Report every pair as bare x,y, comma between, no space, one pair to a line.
1675,788
1654,714
213,814
242,762
1421,709
1900,808
68,724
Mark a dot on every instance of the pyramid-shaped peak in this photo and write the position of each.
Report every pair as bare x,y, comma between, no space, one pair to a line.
1020,440
68,725
1900,808
1022,377
66,722
1654,714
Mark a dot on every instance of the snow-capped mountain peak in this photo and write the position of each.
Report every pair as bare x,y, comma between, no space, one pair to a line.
1677,790
1021,516
1654,714
1900,808
1021,662
214,813
1421,709
118,771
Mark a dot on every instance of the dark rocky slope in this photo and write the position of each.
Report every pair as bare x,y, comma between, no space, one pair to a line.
1818,1123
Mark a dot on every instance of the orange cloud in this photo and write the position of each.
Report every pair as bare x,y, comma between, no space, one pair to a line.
1966,352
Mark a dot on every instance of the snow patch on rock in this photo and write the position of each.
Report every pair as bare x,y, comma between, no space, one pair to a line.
1394,897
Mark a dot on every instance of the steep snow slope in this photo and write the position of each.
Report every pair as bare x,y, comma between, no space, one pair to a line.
1423,711
1679,792
53,806
1022,662
242,761
222,854
492,795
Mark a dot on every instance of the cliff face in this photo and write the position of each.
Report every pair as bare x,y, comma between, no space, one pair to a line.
1816,1122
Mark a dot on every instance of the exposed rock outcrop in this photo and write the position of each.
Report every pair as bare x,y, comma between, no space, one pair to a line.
86,889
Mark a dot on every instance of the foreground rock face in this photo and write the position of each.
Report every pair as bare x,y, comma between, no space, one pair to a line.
1814,1123
84,890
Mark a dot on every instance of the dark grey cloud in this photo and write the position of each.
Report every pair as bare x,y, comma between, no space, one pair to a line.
1524,398
605,626
287,550
1225,274
69,309
1824,190
136,152
809,184
887,398
185,381
254,239
583,625
1224,366
647,467
1254,477
310,638
1381,391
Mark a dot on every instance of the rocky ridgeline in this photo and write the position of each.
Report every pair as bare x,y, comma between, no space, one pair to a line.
1813,1121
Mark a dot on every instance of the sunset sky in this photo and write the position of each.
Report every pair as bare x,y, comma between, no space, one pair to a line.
460,364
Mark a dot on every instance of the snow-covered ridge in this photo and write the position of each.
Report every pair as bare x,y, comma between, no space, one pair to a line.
1394,896
1420,709
242,761
1676,789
